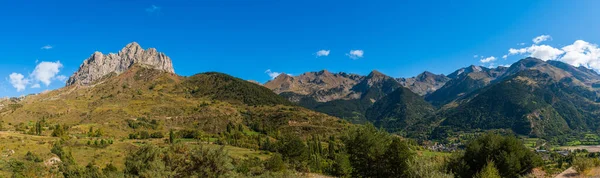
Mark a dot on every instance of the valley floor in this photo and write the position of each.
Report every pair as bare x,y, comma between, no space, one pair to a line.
589,148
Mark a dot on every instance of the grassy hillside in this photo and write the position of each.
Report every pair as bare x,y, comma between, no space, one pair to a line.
204,99
399,110
143,105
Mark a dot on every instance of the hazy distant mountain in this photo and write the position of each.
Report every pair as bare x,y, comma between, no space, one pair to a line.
353,97
464,81
531,97
424,83
322,86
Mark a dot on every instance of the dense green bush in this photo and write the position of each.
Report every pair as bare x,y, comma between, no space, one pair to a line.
375,153
509,154
32,157
275,163
293,150
178,161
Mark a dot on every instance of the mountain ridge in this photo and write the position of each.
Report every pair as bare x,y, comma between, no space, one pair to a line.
99,65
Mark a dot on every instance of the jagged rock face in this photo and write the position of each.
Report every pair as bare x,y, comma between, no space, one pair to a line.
323,86
100,65
464,81
424,83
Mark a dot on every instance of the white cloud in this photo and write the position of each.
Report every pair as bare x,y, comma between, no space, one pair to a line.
356,54
153,9
505,56
272,74
541,38
323,53
543,52
505,65
61,78
45,72
475,56
520,44
488,59
582,53
18,81
46,47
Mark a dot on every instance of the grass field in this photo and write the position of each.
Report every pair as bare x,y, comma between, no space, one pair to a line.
531,142
114,153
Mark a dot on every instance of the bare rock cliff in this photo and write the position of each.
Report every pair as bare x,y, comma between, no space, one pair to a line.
99,65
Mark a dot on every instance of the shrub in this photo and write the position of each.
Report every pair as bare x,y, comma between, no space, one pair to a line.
32,157
489,171
509,154
581,165
275,163
426,168
177,161
157,135
374,153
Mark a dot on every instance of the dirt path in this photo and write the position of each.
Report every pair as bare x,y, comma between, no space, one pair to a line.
571,173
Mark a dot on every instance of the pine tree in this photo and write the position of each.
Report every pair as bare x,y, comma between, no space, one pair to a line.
229,128
91,132
267,145
171,136
320,147
259,140
331,147
489,171
38,128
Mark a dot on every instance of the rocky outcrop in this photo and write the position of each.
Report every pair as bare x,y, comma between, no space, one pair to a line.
100,65
323,86
424,83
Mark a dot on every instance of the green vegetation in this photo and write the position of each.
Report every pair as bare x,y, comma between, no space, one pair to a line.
529,103
152,124
508,154
489,171
400,110
223,87
584,164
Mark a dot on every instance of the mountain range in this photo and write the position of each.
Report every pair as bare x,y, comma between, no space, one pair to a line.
531,97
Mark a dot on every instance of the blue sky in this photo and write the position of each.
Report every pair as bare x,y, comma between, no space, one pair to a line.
244,38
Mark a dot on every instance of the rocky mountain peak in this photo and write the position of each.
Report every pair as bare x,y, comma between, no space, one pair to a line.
324,72
99,65
376,73
424,83
428,76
